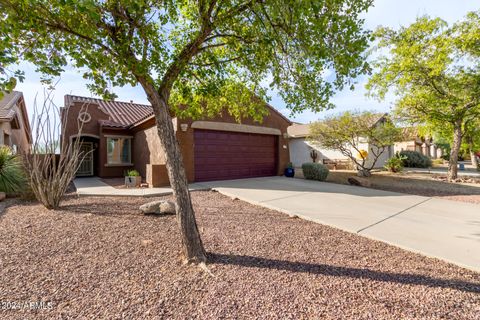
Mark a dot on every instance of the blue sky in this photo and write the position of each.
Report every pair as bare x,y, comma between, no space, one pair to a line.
391,13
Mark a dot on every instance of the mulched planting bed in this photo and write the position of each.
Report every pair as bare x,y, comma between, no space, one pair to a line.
100,258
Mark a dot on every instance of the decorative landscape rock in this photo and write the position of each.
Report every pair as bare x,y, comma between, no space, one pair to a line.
167,207
151,207
158,207
2,196
357,181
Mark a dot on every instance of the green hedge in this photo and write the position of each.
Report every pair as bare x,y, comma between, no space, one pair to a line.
414,159
315,171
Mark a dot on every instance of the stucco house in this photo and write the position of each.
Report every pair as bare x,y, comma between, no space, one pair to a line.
123,136
301,148
14,124
413,141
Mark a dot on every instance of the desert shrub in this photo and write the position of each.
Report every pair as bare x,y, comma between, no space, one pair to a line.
132,173
395,164
12,176
315,171
336,132
54,159
414,159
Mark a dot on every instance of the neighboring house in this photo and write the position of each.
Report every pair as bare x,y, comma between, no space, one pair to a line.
413,141
123,136
14,125
301,148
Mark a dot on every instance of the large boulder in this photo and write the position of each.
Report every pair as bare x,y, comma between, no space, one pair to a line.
158,207
167,207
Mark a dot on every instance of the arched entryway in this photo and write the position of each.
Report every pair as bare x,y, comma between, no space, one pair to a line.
89,161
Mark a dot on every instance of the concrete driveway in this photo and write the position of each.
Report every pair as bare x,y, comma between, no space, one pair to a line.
438,228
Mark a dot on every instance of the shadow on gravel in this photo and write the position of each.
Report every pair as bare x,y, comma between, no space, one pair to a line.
9,202
337,271
97,206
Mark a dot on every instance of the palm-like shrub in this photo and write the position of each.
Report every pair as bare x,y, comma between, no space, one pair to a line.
395,164
12,177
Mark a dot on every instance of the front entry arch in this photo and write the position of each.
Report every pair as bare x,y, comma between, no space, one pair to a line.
89,156
86,167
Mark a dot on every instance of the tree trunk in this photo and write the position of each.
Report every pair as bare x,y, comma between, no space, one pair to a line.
193,249
473,156
364,173
457,141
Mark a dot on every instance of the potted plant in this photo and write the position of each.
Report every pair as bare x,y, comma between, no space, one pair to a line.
133,178
289,170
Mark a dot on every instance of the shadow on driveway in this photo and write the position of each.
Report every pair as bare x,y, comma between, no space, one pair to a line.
294,186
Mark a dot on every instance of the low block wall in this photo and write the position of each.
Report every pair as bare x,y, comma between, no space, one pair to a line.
157,175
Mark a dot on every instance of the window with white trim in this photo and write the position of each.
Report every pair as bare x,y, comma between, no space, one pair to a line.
119,150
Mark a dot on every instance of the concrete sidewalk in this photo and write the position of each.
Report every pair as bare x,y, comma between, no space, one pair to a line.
434,227
94,186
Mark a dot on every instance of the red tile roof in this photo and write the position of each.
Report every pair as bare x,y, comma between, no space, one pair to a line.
127,114
122,114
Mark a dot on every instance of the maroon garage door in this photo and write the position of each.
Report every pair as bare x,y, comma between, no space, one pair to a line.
221,155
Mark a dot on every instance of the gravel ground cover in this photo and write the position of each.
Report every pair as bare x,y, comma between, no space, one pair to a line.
422,184
100,258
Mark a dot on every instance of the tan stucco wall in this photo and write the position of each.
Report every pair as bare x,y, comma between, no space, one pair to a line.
18,137
300,150
148,151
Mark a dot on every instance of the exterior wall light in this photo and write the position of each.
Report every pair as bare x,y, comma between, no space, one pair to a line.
184,127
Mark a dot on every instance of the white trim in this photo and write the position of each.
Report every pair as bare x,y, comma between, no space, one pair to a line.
82,135
117,136
235,127
143,120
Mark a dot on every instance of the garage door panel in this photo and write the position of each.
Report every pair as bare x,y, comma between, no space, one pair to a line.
221,155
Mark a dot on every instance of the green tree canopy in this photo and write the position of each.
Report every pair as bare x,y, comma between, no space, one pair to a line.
216,50
434,70
353,132
203,55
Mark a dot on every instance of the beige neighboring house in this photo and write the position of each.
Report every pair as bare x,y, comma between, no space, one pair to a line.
413,141
14,125
301,148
